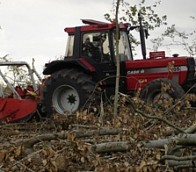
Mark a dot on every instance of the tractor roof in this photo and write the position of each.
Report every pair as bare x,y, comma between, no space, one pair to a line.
94,25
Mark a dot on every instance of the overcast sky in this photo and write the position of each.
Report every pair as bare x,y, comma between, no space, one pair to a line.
35,28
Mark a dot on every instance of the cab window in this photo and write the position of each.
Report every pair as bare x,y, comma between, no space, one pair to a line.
124,46
96,45
70,45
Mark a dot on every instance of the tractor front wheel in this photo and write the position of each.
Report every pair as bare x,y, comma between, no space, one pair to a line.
66,91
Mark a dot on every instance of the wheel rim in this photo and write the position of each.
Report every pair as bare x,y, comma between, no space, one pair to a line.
161,95
65,99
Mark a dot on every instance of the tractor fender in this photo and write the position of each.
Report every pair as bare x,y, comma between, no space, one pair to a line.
58,65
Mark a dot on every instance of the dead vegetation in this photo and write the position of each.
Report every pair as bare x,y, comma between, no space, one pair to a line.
141,138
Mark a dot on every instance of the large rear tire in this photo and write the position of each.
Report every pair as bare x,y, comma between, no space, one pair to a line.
153,90
66,91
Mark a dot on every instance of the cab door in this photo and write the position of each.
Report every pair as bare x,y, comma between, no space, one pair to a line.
96,50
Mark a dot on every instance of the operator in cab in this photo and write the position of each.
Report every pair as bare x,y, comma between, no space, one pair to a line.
87,48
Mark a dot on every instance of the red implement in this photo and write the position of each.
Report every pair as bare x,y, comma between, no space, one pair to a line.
12,110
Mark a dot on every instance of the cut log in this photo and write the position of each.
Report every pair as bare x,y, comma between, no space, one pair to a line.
111,147
182,139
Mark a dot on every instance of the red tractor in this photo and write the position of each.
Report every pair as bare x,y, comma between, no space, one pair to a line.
91,59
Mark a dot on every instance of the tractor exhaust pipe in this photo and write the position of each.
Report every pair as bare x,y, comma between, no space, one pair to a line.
142,36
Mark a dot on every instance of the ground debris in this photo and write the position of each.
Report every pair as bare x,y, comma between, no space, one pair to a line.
83,142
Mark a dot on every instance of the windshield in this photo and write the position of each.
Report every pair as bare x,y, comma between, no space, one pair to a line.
124,46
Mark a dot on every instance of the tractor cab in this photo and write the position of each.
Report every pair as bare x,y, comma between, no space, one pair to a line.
95,44
96,40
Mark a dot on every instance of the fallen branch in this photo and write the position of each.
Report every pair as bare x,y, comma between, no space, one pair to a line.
187,140
172,157
99,132
184,139
191,129
160,119
150,116
82,126
173,163
158,144
111,147
27,146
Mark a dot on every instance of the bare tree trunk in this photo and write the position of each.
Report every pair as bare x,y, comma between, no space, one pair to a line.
117,61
